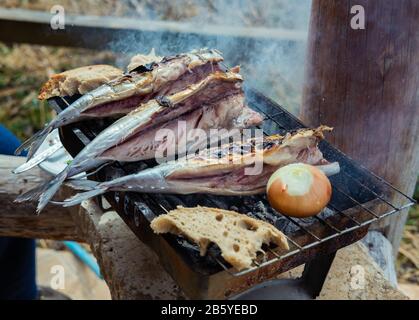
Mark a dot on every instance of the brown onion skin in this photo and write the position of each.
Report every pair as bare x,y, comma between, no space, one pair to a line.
310,204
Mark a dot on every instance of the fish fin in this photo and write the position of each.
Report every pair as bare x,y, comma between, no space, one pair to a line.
51,189
34,142
38,142
96,170
80,197
43,192
82,184
32,194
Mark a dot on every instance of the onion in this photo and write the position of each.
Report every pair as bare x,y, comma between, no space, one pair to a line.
299,190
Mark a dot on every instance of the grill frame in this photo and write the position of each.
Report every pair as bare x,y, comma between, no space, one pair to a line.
210,276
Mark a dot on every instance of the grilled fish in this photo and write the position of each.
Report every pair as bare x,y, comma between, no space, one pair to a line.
122,95
216,87
190,131
220,171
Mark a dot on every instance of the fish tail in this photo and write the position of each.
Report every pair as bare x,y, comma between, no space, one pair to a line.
43,192
32,194
51,190
34,142
80,197
82,184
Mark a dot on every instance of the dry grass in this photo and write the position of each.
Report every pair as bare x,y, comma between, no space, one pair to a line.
97,7
23,69
273,13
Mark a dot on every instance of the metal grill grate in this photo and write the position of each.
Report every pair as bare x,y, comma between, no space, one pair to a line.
359,198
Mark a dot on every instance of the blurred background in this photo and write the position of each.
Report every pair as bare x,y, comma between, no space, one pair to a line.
274,67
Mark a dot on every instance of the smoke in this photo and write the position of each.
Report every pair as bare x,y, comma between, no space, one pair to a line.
271,62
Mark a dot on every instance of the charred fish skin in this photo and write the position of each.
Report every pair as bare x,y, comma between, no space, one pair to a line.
129,85
218,171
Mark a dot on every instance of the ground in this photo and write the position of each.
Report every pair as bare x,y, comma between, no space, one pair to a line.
24,68
80,283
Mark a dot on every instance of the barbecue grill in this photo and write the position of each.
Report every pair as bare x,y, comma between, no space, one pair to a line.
359,199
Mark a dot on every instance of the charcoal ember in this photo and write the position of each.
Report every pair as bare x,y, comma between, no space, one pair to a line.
234,208
326,213
285,225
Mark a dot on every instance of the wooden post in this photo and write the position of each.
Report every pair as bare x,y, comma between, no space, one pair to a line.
365,83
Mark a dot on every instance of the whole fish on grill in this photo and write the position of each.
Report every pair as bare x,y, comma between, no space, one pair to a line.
215,89
220,171
123,94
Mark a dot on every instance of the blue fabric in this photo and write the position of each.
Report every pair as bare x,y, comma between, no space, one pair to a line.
8,141
17,256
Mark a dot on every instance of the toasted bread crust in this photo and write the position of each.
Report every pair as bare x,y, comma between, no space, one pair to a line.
238,236
78,81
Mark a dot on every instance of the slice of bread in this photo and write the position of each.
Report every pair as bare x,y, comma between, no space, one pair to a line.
238,236
80,80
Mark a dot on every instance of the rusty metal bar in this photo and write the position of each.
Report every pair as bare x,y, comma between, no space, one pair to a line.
323,221
303,228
